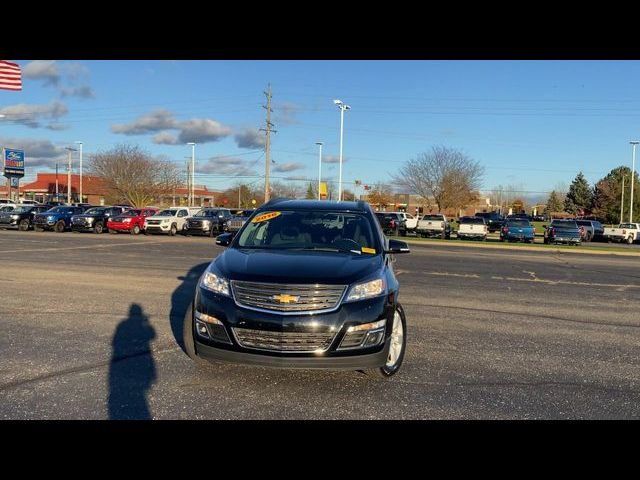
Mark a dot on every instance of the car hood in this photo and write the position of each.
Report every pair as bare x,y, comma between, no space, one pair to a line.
162,217
296,266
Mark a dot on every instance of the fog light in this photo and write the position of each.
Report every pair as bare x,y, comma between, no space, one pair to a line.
373,338
363,336
202,330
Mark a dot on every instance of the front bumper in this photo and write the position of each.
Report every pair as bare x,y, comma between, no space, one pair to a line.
204,230
120,226
82,228
566,240
9,224
45,224
337,322
157,228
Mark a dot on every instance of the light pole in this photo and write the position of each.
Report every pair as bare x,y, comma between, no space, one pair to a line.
319,168
633,178
193,169
80,143
622,201
342,106
70,149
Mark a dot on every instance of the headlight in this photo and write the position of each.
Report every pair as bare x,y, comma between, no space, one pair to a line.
15,217
127,220
50,217
364,290
216,284
206,222
90,219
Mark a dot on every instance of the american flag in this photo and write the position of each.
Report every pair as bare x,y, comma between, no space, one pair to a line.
10,76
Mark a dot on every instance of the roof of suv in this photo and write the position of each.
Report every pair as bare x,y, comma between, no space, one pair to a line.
335,206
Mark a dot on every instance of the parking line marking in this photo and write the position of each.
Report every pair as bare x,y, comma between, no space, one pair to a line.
84,247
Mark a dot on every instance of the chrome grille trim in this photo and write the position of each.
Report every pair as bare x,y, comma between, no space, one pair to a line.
314,298
288,342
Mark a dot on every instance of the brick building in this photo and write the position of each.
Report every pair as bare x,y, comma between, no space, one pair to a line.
43,189
404,202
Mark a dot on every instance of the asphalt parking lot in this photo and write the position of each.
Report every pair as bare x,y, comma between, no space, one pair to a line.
89,329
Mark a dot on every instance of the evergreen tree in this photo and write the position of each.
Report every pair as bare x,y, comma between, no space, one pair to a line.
579,197
311,193
608,194
553,203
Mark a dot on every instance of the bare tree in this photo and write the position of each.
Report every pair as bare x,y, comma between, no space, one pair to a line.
130,174
446,175
285,190
380,195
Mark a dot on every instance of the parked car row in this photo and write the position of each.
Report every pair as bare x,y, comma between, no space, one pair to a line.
115,219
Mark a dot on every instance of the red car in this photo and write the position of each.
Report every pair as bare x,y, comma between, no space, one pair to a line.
131,221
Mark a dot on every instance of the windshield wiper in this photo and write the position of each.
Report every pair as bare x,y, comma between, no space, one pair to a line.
328,249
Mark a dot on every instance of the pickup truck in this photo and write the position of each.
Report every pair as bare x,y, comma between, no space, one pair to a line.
563,231
21,217
494,220
434,225
472,227
235,223
390,222
593,229
94,219
625,232
518,229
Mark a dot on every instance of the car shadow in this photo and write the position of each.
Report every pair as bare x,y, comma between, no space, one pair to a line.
181,300
132,370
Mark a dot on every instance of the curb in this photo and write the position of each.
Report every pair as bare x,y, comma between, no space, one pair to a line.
526,249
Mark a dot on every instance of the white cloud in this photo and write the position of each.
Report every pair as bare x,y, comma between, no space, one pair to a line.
149,123
227,166
333,159
288,167
46,70
202,130
83,91
250,138
38,153
30,115
165,138
286,113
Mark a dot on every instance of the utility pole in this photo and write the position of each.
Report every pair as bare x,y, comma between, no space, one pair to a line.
57,198
70,149
193,173
188,182
622,201
267,145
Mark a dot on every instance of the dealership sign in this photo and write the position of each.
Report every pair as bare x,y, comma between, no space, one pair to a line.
13,163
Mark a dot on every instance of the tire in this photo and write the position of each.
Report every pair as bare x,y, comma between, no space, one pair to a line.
387,371
135,230
98,228
188,337
38,229
629,240
23,226
587,237
173,230
211,233
59,227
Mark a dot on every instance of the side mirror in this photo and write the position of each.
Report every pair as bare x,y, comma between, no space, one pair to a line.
397,246
224,239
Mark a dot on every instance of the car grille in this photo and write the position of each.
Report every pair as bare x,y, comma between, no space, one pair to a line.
40,220
195,224
308,297
235,224
79,221
153,222
283,341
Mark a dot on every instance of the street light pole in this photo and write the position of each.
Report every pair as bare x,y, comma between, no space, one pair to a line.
193,169
80,143
70,149
622,201
342,106
633,179
319,168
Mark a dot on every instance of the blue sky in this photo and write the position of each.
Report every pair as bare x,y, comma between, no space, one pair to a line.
533,124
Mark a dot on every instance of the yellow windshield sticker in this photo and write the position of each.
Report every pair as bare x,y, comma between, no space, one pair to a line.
265,217
368,250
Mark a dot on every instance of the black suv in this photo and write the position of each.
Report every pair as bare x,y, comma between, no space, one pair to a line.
95,219
306,284
391,223
494,220
208,221
21,217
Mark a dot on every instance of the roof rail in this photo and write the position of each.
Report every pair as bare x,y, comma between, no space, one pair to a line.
274,201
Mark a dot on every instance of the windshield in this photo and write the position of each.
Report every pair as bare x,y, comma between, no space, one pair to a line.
6,209
518,223
23,209
166,213
627,225
131,213
564,224
95,211
206,213
472,220
309,230
60,210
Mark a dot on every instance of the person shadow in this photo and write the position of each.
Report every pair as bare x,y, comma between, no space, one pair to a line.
132,370
181,299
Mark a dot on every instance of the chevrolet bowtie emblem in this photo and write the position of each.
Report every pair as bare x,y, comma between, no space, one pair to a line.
286,298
